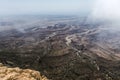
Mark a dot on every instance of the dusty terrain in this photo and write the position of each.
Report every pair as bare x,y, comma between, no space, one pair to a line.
68,49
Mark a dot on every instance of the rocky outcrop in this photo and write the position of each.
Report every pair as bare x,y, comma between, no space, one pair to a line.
7,73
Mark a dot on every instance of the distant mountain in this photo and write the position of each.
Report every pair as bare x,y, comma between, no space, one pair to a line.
68,49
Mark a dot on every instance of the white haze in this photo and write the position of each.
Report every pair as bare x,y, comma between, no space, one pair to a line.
106,11
101,11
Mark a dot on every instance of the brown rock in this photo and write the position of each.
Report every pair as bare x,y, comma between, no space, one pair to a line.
7,73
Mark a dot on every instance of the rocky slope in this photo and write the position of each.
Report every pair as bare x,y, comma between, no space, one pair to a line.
63,51
7,73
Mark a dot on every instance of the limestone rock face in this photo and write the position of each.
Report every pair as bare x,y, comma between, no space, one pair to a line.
19,74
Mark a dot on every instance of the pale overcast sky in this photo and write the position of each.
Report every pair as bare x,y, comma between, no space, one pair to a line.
45,6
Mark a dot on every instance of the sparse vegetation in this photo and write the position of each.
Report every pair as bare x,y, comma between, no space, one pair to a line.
62,51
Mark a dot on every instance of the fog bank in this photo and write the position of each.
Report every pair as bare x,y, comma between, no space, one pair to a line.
106,10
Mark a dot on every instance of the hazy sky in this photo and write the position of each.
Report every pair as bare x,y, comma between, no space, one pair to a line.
45,6
107,9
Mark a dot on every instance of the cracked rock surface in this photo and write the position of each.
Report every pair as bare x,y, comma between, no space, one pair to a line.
7,73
